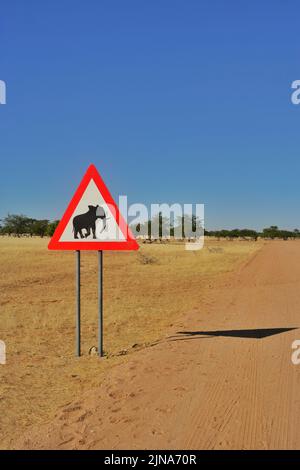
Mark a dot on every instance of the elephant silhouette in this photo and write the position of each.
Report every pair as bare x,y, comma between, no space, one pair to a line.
87,221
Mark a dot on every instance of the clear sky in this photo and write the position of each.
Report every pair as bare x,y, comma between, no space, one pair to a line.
174,101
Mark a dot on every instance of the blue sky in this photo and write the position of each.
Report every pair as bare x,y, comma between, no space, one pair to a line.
173,101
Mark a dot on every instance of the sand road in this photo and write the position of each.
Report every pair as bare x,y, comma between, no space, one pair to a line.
221,379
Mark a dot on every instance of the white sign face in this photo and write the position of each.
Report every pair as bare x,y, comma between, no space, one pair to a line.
93,220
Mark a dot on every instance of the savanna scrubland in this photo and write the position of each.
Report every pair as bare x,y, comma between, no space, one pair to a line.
145,292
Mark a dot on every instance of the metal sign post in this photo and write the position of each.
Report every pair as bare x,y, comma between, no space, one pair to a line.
78,230
100,303
78,303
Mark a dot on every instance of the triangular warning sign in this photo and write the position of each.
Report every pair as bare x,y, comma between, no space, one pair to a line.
92,220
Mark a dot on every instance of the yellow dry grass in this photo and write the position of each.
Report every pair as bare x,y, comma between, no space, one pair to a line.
144,292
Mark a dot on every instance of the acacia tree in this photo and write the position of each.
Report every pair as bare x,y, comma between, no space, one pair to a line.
52,227
16,224
271,232
39,227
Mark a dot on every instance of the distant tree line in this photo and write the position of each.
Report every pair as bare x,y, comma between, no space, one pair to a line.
188,225
21,225
271,232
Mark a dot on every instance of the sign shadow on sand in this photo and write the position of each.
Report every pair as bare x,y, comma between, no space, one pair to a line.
257,333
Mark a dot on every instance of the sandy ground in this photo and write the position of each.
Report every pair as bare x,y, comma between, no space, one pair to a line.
141,303
221,379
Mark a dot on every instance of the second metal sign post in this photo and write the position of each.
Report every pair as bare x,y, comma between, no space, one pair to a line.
100,304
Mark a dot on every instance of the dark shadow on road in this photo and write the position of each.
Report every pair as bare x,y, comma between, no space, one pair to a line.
258,333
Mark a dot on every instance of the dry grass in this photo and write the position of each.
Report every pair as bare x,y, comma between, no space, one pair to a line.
143,293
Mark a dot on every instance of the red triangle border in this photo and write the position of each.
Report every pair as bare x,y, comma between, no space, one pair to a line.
129,244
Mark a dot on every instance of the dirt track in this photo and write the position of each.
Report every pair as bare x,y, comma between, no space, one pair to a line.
208,385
